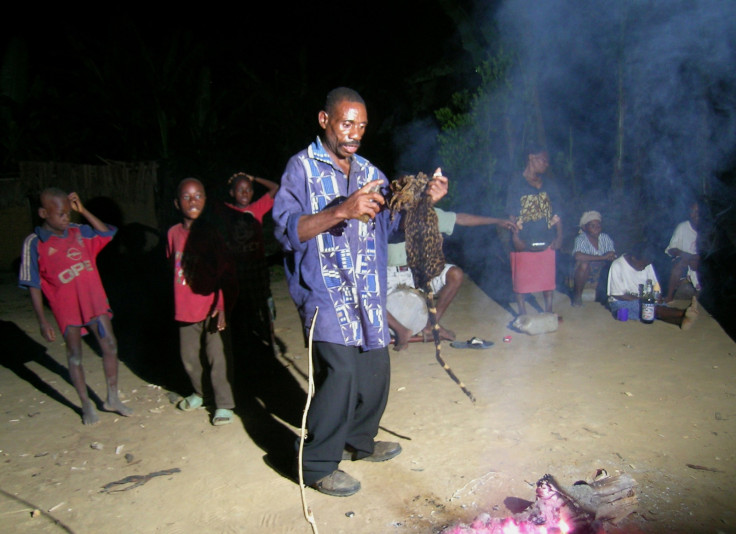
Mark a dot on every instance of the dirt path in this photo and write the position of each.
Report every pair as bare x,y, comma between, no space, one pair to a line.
642,399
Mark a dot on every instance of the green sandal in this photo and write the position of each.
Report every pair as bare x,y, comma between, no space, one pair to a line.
190,403
222,416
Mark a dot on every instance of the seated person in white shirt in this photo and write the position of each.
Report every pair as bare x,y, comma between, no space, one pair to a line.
683,250
445,286
627,273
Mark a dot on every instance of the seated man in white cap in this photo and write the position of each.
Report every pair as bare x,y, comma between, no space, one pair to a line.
592,251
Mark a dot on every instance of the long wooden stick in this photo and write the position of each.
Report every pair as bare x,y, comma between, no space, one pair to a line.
308,515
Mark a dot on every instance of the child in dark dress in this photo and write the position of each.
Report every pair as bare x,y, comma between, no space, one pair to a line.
253,311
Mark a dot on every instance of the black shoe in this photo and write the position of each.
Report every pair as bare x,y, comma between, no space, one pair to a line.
338,484
382,451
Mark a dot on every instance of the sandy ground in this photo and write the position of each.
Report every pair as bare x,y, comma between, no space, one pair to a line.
631,398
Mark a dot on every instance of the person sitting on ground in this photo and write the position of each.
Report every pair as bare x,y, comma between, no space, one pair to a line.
59,262
445,286
533,204
633,269
204,286
683,249
593,250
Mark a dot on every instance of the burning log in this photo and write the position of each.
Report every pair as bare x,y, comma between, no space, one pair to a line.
580,509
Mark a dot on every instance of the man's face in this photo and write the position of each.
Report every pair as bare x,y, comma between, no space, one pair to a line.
55,213
694,215
344,128
242,192
539,163
190,200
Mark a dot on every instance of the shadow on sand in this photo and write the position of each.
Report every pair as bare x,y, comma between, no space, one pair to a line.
25,351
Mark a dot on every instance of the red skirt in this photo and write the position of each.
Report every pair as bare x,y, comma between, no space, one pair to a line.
533,271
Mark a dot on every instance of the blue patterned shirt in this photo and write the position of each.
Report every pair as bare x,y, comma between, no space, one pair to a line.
342,272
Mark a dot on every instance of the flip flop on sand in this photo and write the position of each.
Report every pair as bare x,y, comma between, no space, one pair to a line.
472,343
192,402
223,416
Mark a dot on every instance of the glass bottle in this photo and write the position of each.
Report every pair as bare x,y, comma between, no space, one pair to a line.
646,300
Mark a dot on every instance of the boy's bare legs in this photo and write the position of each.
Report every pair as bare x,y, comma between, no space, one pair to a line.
73,339
679,268
102,329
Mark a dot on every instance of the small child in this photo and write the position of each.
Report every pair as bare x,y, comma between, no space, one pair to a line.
59,261
254,310
200,283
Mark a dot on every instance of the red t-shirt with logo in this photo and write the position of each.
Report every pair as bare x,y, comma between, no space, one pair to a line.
64,267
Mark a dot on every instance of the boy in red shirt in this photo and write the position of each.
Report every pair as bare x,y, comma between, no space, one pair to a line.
59,261
200,275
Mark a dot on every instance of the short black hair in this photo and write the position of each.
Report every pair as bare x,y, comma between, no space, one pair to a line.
341,94
643,250
52,192
189,179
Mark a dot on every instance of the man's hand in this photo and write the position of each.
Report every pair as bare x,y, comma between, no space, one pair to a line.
366,202
437,186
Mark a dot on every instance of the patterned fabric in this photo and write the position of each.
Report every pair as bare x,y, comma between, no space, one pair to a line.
584,246
65,268
397,241
534,208
343,270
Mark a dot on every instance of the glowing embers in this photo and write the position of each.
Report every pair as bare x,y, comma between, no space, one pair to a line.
582,508
487,525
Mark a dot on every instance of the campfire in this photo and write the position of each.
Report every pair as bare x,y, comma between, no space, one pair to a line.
583,508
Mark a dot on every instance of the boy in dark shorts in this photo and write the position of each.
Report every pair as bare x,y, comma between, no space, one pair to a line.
59,261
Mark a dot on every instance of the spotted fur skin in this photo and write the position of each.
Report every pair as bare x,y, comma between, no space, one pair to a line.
423,248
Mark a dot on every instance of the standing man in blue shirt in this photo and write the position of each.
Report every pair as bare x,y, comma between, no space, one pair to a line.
331,224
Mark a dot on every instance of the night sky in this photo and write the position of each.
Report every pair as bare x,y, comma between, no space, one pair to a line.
221,90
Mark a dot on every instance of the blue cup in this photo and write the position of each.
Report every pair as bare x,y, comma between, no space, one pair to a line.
622,314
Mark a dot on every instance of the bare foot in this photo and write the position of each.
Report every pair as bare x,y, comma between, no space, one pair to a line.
89,413
445,334
116,405
691,315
